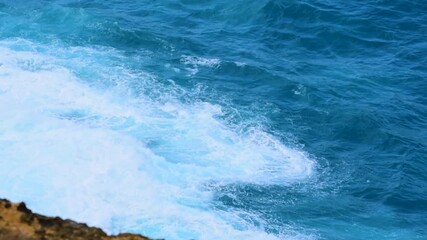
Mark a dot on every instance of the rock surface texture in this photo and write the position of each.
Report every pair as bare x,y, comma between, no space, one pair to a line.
18,222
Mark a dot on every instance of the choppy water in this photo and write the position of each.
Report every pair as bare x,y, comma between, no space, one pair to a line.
218,119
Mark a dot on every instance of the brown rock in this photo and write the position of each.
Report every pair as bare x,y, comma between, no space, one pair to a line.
19,222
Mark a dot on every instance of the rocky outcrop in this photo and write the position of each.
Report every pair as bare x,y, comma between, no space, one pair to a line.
18,222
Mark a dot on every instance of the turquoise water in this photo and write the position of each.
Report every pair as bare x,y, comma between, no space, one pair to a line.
218,119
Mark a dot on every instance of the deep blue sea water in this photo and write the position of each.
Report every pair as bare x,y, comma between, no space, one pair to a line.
216,119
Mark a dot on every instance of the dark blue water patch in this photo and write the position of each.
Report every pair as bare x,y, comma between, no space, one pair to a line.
294,206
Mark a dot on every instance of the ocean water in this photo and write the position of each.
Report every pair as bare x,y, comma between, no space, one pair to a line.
218,119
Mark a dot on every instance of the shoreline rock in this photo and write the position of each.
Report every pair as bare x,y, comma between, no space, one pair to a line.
19,222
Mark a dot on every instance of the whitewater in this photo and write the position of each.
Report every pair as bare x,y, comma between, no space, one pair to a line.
120,160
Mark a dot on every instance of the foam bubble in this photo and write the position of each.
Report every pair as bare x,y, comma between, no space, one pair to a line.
74,147
200,61
195,62
240,64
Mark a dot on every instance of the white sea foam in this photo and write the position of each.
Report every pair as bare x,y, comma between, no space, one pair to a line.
200,61
70,146
195,62
240,64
